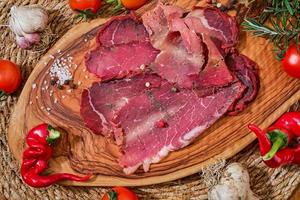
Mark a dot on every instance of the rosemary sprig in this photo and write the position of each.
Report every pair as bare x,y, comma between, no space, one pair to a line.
279,23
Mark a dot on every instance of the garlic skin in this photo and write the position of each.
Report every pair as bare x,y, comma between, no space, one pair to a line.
33,38
27,19
234,185
22,42
26,22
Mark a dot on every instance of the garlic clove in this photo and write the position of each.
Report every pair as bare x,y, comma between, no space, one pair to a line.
23,43
32,38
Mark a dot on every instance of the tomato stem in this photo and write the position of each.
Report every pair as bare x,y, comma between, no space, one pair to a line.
117,5
2,94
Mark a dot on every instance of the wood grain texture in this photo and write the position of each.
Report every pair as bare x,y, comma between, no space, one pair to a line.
223,140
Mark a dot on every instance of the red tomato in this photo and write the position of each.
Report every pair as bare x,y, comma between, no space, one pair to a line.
10,76
291,61
83,5
120,193
133,4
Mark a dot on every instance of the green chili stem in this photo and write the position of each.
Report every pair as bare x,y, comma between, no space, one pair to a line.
53,135
277,144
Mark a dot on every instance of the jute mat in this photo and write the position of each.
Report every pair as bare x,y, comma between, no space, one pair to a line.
267,183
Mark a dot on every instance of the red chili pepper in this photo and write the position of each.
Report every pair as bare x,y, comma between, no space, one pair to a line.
37,155
274,142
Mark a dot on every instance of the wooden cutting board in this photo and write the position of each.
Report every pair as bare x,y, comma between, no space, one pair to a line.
60,108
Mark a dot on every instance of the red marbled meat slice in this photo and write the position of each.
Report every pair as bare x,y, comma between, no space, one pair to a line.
157,22
120,60
186,116
176,65
214,23
121,30
100,102
182,53
246,71
216,72
192,60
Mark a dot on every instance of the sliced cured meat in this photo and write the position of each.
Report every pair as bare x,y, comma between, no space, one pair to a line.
216,72
120,60
181,49
176,65
213,22
246,71
157,22
191,41
100,102
187,87
113,31
185,116
193,60
118,54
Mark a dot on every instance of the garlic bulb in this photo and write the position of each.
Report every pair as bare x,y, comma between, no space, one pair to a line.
26,22
28,19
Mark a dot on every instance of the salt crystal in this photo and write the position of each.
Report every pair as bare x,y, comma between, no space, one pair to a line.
48,109
147,84
60,70
55,100
63,96
86,76
42,107
51,56
85,40
79,83
30,102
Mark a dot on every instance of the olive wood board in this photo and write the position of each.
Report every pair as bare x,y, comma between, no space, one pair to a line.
223,140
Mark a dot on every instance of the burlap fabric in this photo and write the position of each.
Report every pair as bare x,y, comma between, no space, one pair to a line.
267,183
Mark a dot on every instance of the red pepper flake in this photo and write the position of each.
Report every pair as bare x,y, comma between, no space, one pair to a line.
161,124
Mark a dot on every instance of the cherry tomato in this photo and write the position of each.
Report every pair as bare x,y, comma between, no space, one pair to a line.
133,4
120,193
291,61
83,5
10,76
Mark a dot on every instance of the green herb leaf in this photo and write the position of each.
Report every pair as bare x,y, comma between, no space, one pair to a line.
288,6
85,14
2,95
112,195
279,23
